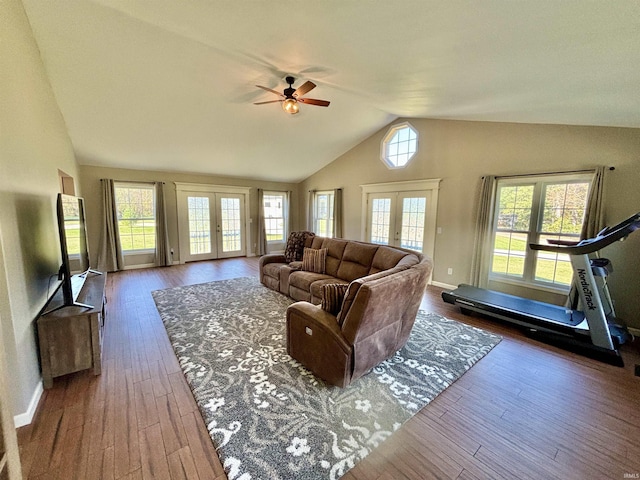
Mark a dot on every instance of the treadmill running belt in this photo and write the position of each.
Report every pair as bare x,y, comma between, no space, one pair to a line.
480,298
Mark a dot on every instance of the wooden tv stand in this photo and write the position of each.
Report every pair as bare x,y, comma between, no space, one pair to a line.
70,338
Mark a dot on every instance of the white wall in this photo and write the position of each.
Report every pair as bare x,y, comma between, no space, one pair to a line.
34,145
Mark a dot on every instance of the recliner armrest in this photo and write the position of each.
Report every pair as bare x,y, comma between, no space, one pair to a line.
314,339
272,258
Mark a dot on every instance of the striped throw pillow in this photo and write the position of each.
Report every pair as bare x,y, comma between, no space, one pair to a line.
332,296
313,260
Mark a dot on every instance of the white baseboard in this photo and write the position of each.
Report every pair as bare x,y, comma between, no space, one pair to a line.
443,285
140,265
25,418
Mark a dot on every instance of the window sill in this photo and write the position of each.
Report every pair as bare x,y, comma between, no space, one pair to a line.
126,253
533,286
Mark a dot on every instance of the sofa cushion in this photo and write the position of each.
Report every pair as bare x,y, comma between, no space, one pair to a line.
386,258
273,269
316,287
295,245
335,248
332,296
356,260
303,280
314,260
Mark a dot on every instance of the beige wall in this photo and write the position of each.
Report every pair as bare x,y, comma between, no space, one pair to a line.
33,145
90,182
461,152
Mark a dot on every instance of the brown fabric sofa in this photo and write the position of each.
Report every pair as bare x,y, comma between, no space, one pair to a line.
386,285
347,260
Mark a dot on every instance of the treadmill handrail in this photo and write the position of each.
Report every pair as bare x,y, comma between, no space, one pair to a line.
606,237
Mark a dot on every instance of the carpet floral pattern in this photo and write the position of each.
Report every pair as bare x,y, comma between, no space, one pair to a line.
268,416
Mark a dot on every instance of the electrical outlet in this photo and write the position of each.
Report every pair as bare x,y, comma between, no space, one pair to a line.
449,271
439,230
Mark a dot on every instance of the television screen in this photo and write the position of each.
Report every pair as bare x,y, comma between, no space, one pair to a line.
74,234
73,244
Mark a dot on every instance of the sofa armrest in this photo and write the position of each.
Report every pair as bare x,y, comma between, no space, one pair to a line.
272,258
315,340
269,258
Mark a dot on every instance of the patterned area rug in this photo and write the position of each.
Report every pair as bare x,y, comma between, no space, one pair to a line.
271,418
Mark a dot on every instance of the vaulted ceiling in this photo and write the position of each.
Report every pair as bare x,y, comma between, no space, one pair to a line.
170,85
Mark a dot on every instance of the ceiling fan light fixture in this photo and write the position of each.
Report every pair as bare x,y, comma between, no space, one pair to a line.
290,105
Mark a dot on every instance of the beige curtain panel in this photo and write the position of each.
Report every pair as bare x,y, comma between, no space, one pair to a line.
262,234
110,257
481,250
163,249
337,213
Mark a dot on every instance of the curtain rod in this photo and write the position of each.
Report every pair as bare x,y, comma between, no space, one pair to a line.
566,172
134,181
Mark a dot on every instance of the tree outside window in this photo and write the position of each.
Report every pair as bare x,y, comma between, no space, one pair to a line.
323,214
530,210
274,216
135,208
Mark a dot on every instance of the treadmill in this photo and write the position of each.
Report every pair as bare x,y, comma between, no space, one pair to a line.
593,332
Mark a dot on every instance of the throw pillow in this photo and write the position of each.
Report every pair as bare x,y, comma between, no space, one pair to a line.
295,245
313,260
332,296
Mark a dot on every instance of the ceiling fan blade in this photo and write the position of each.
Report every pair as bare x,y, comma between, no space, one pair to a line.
270,101
304,88
269,90
313,101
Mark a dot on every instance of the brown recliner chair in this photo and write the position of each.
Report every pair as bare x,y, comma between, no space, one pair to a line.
377,315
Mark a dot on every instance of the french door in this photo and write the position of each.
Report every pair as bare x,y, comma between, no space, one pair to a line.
397,219
212,226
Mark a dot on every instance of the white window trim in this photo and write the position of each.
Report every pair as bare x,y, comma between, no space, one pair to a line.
429,186
208,188
388,136
533,228
147,185
285,213
315,205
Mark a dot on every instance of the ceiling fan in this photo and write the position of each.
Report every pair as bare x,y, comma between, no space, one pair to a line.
291,97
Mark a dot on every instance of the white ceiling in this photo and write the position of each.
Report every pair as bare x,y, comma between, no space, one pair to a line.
169,85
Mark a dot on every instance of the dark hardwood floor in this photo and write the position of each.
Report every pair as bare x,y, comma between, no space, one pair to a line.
527,410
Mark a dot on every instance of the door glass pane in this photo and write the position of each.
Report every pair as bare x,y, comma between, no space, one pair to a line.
230,224
199,225
413,216
380,220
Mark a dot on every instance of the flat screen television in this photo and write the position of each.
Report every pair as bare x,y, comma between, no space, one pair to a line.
74,248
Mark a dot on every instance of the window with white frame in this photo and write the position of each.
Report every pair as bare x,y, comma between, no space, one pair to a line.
532,210
323,203
399,145
274,204
136,210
